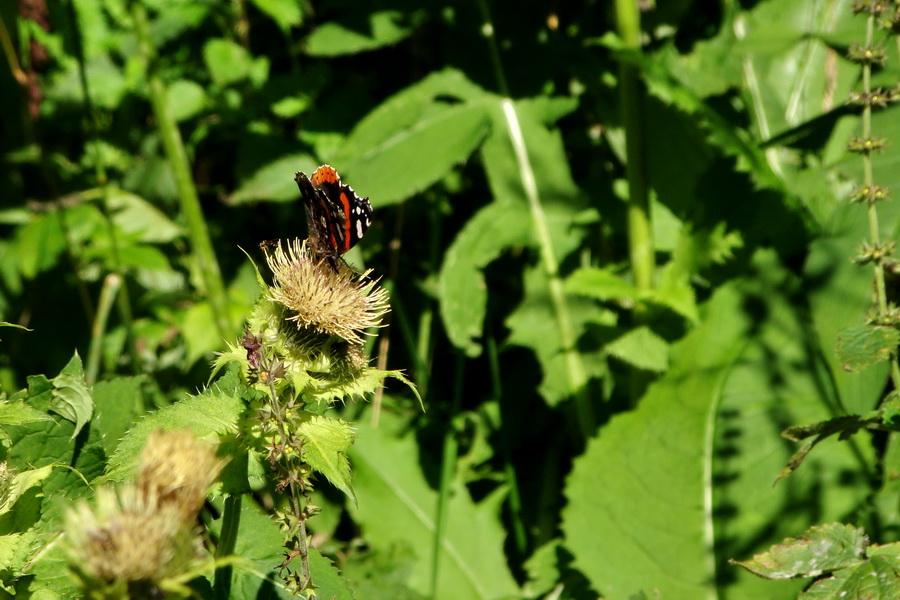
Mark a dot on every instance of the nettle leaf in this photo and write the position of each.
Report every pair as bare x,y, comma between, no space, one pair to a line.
214,413
19,413
821,549
861,347
874,579
275,181
325,449
71,395
375,30
641,348
227,61
461,286
690,458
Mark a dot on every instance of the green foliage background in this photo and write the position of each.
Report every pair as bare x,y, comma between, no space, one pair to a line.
587,447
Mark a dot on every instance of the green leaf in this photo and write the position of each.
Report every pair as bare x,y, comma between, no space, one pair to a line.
71,395
227,61
133,215
461,287
215,413
285,13
275,181
457,129
602,284
186,99
21,483
38,244
118,403
684,469
389,482
861,347
534,325
875,579
19,413
325,450
641,348
821,549
380,28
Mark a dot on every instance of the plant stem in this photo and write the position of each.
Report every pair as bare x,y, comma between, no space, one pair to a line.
640,229
578,379
448,468
207,265
231,519
868,182
108,293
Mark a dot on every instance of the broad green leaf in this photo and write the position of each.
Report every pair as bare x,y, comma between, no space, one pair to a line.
49,573
286,13
275,181
228,62
396,511
602,284
215,413
375,30
543,568
71,396
457,129
38,244
134,215
186,99
118,403
861,347
325,449
641,348
461,287
684,469
821,549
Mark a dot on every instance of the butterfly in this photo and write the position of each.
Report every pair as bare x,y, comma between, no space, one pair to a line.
337,218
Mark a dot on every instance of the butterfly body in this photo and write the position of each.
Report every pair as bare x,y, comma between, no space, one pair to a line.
337,218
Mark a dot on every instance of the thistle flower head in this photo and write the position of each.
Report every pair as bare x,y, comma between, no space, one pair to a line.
322,299
177,469
129,544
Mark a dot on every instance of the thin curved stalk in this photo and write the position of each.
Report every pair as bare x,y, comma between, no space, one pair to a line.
207,265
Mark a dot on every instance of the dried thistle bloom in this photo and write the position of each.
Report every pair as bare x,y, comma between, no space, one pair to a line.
177,469
130,545
343,303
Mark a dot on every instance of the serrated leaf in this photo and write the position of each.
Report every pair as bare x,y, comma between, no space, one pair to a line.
19,413
821,549
461,287
71,395
641,348
227,61
327,442
875,579
214,413
457,129
275,181
21,483
378,29
861,347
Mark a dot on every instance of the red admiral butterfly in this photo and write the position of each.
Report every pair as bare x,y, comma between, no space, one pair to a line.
336,217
